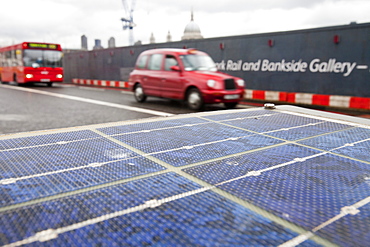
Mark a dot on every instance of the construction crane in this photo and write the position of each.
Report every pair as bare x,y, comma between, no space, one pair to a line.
128,22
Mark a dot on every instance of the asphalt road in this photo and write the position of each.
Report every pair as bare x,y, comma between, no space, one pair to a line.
37,107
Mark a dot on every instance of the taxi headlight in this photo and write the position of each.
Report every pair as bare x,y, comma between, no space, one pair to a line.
211,83
240,82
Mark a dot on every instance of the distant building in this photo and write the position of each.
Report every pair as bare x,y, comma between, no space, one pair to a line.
111,43
68,50
169,37
138,42
192,30
97,45
83,42
152,39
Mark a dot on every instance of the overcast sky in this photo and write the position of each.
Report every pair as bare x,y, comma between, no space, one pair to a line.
64,21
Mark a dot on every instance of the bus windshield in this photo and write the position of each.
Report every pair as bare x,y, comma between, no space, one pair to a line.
42,58
198,62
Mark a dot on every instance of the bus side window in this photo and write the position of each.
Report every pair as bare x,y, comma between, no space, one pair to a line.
13,59
8,59
18,57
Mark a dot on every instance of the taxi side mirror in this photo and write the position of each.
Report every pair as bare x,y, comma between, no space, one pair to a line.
175,68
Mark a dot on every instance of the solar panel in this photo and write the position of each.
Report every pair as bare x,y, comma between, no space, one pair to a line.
256,177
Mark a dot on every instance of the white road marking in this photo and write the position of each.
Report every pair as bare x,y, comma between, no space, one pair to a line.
65,85
13,117
91,101
92,88
126,92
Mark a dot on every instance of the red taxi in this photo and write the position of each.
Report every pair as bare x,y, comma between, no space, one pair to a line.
184,74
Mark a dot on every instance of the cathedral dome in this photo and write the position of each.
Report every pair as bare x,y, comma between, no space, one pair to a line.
192,27
192,30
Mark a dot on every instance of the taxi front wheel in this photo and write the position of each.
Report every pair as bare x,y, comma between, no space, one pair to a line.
194,99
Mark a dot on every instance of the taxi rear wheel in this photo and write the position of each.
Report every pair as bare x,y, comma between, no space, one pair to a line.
139,93
194,99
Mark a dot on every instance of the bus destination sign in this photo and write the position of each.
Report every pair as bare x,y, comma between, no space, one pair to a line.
42,46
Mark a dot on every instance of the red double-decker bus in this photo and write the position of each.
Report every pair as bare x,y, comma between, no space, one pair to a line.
31,62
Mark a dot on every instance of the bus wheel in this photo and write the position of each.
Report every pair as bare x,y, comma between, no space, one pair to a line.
50,84
15,80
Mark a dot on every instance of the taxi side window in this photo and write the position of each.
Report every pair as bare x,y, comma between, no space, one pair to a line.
141,63
169,62
155,62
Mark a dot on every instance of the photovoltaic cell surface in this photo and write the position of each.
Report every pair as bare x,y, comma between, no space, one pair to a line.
251,177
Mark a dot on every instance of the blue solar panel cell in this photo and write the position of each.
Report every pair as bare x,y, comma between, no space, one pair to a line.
47,185
175,138
23,142
297,133
349,230
26,175
48,158
151,126
270,122
204,219
208,151
238,166
353,143
86,206
239,115
276,125
306,192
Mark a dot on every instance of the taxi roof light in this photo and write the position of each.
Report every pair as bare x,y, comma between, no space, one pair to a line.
192,51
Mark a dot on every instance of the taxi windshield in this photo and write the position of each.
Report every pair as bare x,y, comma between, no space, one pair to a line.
198,62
